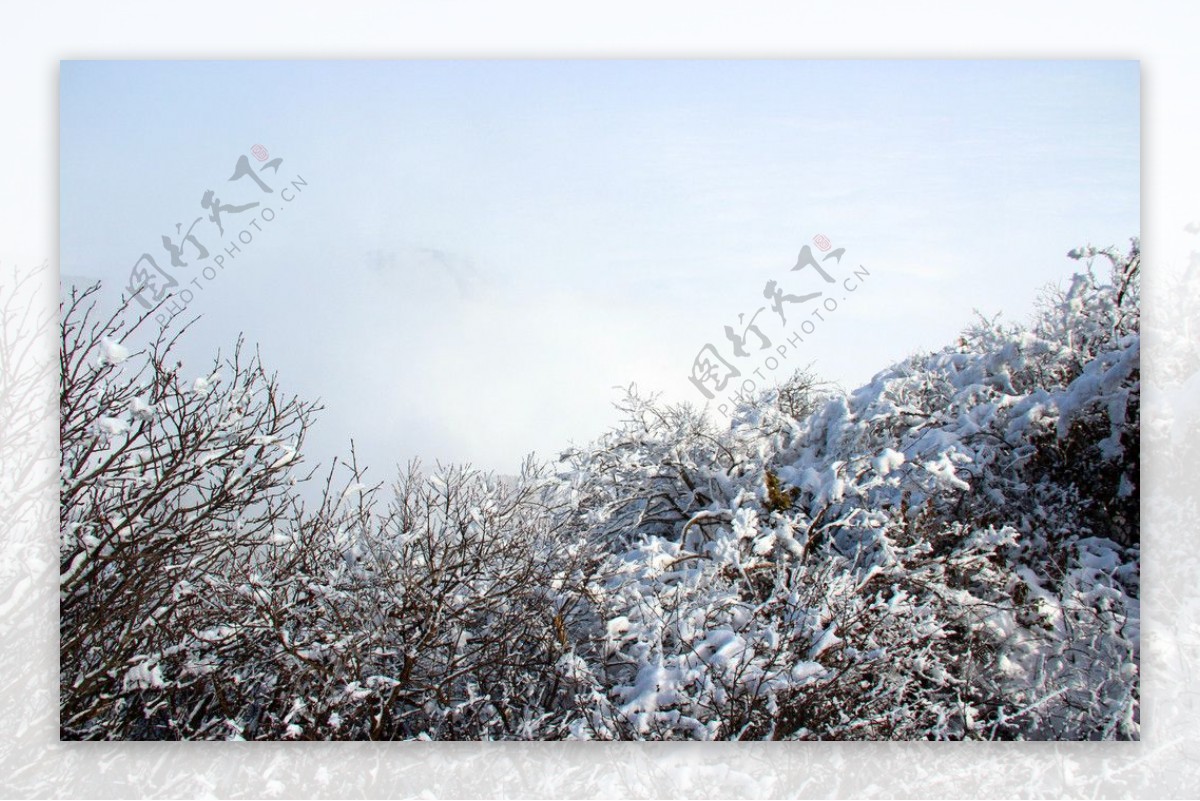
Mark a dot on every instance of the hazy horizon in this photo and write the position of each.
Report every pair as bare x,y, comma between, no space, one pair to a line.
479,252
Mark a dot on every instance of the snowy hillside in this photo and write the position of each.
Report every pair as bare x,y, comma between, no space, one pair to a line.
948,552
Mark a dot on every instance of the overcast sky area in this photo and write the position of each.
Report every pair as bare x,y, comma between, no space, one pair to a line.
476,254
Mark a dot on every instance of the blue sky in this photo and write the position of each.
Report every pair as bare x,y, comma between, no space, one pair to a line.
485,249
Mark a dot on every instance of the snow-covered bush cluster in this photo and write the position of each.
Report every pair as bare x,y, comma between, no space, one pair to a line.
949,552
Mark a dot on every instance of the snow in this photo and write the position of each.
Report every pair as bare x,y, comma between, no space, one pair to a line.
112,426
289,455
143,676
887,461
111,353
141,410
205,384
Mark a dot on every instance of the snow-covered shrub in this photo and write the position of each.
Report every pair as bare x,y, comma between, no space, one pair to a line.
948,552
449,613
170,483
202,597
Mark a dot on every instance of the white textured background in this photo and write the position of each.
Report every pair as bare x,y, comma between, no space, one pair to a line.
33,37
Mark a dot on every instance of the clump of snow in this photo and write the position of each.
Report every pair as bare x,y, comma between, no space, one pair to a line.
112,426
141,411
111,353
